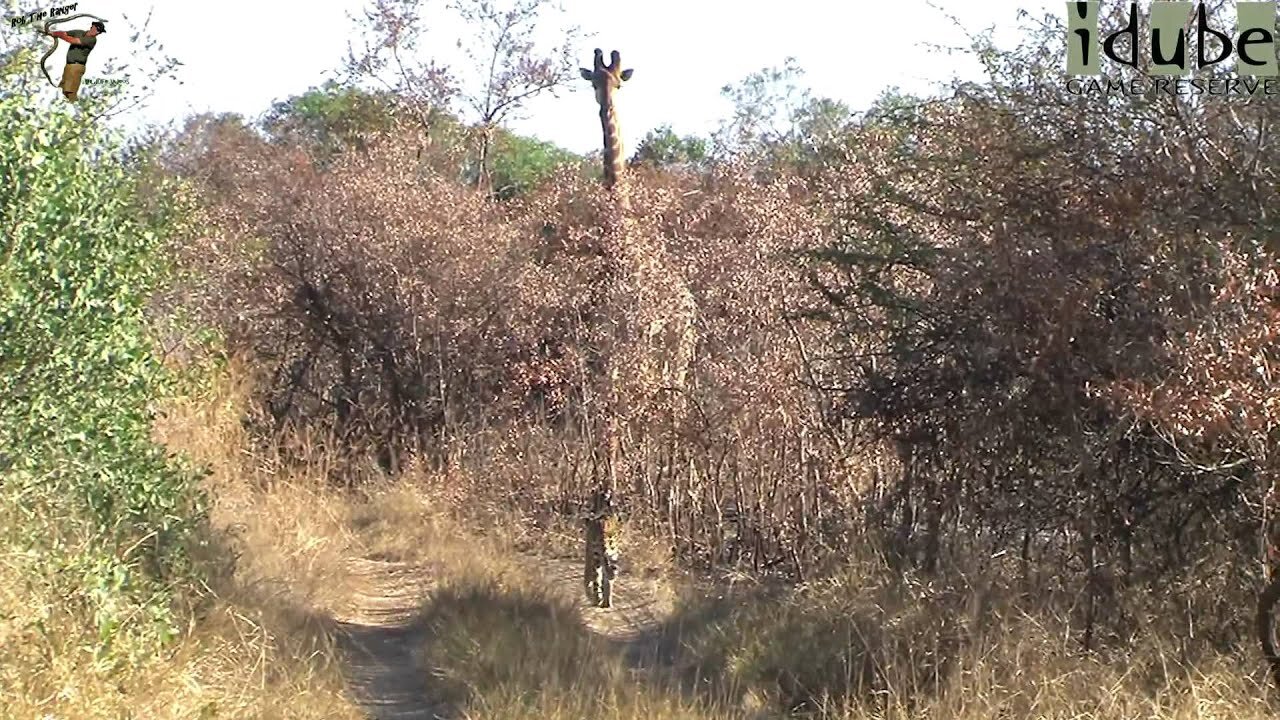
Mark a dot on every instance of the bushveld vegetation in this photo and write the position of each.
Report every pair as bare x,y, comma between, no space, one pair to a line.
981,421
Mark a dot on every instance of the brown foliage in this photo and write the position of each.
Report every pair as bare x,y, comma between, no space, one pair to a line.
1014,323
393,307
1048,304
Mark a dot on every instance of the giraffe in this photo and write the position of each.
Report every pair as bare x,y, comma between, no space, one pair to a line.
657,348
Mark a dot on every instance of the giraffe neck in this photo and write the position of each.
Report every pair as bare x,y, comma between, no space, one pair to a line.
613,167
615,183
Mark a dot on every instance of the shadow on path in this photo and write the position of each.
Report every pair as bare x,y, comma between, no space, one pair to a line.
383,642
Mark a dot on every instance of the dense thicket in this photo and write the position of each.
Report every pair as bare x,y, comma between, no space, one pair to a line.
1060,309
1011,326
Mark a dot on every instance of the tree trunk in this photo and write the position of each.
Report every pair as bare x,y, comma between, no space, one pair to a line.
483,152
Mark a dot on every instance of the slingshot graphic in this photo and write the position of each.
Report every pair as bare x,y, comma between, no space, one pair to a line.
54,48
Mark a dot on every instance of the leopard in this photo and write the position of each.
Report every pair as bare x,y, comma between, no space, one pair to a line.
603,550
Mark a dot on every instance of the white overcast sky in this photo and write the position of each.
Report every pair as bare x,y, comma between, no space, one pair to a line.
241,55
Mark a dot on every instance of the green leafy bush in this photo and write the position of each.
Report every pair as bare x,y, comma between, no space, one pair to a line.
92,507
521,163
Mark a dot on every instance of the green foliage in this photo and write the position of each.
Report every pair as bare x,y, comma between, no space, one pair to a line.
778,123
520,163
818,127
663,148
892,107
331,118
764,104
86,489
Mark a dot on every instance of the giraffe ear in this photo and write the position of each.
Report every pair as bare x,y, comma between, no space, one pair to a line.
626,74
587,75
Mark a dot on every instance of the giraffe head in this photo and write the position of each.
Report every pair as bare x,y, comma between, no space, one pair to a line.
606,78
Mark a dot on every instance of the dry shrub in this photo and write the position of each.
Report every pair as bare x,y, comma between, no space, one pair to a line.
1032,295
388,307
975,329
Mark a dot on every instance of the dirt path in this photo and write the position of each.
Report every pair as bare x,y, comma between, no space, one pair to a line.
384,649
381,644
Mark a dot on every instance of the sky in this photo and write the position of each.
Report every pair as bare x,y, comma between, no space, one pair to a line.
242,55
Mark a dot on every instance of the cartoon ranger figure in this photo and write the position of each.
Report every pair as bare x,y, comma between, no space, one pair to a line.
82,43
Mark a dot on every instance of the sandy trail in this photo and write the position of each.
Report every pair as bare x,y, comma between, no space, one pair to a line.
381,643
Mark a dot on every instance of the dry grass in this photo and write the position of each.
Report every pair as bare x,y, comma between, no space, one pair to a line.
502,641
258,645
868,644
